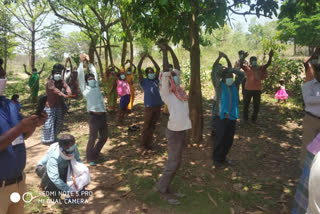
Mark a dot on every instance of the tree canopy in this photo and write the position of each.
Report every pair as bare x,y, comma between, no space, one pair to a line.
300,21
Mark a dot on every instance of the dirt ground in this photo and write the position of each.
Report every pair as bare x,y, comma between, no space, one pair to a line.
261,179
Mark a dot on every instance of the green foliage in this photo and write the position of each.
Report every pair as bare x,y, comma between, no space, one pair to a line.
300,21
282,68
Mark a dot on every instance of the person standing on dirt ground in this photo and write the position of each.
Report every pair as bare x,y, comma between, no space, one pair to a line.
227,100
242,55
174,67
179,122
89,86
123,89
152,101
34,80
216,75
255,74
130,80
111,87
13,133
54,105
311,120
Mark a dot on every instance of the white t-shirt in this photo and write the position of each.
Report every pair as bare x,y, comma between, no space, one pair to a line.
179,119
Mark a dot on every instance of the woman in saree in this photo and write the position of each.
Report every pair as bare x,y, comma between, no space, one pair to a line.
34,82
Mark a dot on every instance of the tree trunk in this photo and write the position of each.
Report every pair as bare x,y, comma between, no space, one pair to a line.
33,49
5,50
99,62
109,48
92,47
195,95
124,52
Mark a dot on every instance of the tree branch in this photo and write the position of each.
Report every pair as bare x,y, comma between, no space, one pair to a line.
65,18
17,18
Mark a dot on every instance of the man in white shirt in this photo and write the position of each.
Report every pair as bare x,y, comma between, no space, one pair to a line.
89,86
179,122
311,120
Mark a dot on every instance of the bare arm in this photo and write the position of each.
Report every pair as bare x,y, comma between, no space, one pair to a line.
269,61
25,70
139,67
165,58
155,65
42,68
175,60
25,127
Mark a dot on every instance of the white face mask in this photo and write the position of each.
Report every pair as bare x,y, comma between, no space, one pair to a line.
92,83
229,81
3,84
57,77
17,99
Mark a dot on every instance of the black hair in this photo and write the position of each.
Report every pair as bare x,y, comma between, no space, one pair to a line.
170,66
65,140
147,69
34,70
253,58
86,77
15,97
57,68
241,51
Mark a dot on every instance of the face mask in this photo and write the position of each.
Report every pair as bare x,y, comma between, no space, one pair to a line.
3,84
122,76
128,72
71,149
176,80
64,155
254,63
17,99
92,83
34,72
241,56
57,77
151,76
229,81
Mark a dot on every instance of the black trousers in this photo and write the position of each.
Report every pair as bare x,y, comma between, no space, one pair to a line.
225,130
248,95
47,185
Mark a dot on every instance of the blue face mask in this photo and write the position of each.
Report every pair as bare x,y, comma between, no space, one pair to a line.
151,76
71,149
122,76
129,72
176,80
92,83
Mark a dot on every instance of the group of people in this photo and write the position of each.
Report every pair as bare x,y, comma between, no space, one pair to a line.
58,167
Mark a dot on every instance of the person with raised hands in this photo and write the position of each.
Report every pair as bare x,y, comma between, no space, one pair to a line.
179,122
152,101
34,79
225,110
111,87
89,86
130,71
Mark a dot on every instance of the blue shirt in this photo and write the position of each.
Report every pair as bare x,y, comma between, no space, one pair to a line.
55,164
13,158
152,96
